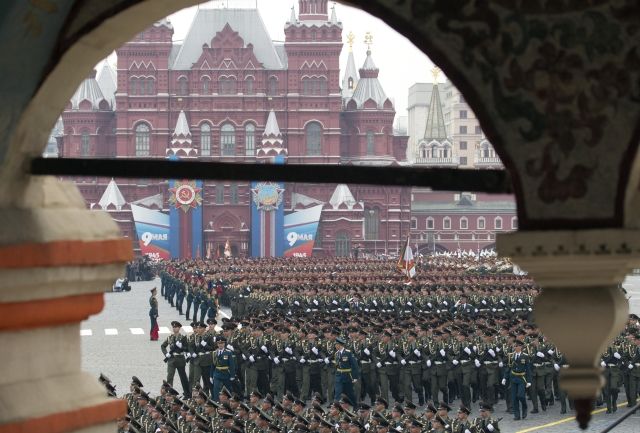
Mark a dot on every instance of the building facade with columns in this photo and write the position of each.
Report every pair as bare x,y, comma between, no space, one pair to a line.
229,93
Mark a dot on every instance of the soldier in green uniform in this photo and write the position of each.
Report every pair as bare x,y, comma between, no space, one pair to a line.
174,348
485,423
411,360
541,374
387,363
440,356
462,423
202,346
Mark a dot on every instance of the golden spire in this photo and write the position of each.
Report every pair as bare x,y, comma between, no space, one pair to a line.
368,39
350,38
435,71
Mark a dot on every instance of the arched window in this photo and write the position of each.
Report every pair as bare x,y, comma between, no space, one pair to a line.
151,86
313,134
85,148
206,85
228,140
350,83
371,143
273,86
446,223
498,223
481,223
430,223
514,223
183,86
371,223
248,86
133,86
343,245
414,223
314,86
227,86
205,139
142,139
250,139
464,223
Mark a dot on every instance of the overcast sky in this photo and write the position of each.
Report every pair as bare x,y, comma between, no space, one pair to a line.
401,63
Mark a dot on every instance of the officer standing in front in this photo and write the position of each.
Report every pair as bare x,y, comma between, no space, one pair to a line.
520,378
223,372
346,372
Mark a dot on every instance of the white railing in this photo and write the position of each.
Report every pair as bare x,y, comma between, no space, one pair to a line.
438,161
488,161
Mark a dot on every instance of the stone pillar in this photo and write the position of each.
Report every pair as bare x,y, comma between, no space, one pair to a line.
56,259
581,308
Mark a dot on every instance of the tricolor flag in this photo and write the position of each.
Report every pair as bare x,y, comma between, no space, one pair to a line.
227,249
406,264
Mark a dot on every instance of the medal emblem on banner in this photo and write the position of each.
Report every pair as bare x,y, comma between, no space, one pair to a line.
185,195
267,196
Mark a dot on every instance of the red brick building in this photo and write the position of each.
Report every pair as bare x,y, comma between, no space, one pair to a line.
227,92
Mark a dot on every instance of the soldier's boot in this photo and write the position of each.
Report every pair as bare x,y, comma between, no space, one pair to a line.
445,394
614,400
563,405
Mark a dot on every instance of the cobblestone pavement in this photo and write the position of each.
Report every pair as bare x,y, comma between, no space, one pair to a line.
116,343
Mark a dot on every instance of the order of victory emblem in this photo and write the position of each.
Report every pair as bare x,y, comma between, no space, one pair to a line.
185,195
267,196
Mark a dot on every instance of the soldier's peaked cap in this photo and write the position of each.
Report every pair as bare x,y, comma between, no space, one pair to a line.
136,381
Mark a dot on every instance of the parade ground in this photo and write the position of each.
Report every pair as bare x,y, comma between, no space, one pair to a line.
116,343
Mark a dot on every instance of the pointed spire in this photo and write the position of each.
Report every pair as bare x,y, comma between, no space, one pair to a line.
293,19
181,134
334,17
341,195
107,79
112,196
272,137
368,86
350,79
435,128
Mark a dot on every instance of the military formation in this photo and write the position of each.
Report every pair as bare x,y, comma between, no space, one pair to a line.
357,332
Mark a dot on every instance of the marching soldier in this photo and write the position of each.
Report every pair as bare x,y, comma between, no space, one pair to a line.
485,423
411,360
462,423
438,364
223,373
201,347
173,349
541,375
347,371
387,364
520,379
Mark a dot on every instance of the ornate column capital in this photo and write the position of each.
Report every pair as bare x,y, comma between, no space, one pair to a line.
574,258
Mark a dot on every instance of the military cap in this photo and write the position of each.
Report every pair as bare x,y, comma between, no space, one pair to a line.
211,403
202,395
410,405
256,394
325,423
380,400
398,408
225,391
364,406
431,408
288,396
201,325
341,340
225,415
416,423
387,333
439,419
176,324
302,420
135,381
111,390
193,324
318,408
316,396
299,402
143,395
337,406
289,412
464,409
279,407
104,379
269,399
486,407
184,407
153,290
383,423
235,397
243,406
518,343
444,406
212,321
221,339
346,400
